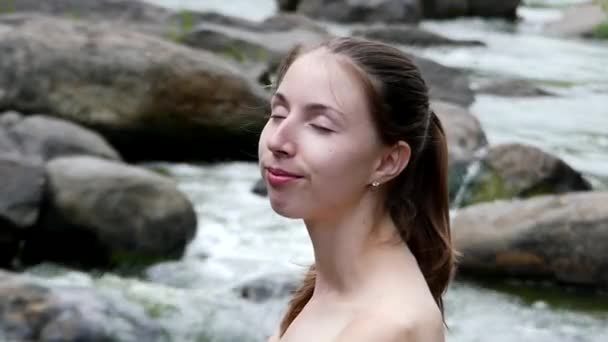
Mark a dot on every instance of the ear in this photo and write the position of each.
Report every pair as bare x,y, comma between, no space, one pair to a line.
392,162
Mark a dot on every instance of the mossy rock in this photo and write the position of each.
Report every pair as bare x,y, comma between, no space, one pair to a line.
601,31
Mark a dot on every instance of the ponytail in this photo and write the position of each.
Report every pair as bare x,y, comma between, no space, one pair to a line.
419,205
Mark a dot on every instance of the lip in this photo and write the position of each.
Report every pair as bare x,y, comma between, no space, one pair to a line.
277,177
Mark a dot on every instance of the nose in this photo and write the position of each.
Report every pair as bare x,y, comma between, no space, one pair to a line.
280,140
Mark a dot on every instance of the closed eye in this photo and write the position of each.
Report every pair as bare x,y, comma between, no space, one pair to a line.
321,128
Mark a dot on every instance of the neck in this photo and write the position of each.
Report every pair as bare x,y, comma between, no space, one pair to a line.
352,245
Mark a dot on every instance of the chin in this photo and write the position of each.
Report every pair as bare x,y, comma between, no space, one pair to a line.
285,209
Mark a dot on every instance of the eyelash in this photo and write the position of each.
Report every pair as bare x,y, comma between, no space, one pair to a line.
317,127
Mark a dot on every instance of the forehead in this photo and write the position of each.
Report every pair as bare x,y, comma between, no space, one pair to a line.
322,77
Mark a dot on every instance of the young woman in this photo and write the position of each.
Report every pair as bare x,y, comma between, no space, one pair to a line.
353,149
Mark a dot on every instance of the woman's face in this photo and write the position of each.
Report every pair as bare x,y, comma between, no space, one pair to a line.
319,148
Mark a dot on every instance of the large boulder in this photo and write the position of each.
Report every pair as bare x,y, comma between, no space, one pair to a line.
245,41
30,311
516,170
100,213
47,138
151,98
512,88
465,138
404,11
411,35
22,182
477,8
446,84
580,20
562,238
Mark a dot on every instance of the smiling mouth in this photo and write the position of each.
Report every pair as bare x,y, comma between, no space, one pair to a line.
278,177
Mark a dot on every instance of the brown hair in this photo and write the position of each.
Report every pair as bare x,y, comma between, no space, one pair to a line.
417,199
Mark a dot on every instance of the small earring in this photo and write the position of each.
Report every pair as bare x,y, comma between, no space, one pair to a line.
375,184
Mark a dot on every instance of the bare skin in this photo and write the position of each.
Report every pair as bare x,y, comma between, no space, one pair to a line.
369,286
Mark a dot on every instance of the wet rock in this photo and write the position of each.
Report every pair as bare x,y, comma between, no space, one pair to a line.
404,11
101,213
261,42
288,5
120,10
516,170
151,98
513,88
561,238
446,84
260,188
268,287
48,138
22,181
581,21
30,311
475,8
411,35
465,138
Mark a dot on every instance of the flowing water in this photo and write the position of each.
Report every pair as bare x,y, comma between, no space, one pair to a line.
240,238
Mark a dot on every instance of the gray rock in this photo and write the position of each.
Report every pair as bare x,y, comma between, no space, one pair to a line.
267,287
8,119
463,130
260,188
561,238
100,213
269,40
513,88
465,138
49,138
476,8
22,182
516,170
412,36
404,11
30,311
151,98
446,84
118,10
288,5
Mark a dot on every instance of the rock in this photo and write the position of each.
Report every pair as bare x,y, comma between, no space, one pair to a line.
260,42
516,170
463,130
101,213
268,287
8,119
288,5
411,35
30,311
118,10
388,11
22,182
445,84
578,21
561,238
513,88
260,188
476,8
152,99
465,138
49,138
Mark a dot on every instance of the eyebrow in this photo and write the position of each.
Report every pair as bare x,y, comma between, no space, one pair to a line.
311,106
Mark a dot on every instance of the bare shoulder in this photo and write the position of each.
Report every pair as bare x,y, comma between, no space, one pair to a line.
274,338
392,328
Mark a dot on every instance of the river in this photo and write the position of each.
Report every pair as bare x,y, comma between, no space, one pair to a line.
239,237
